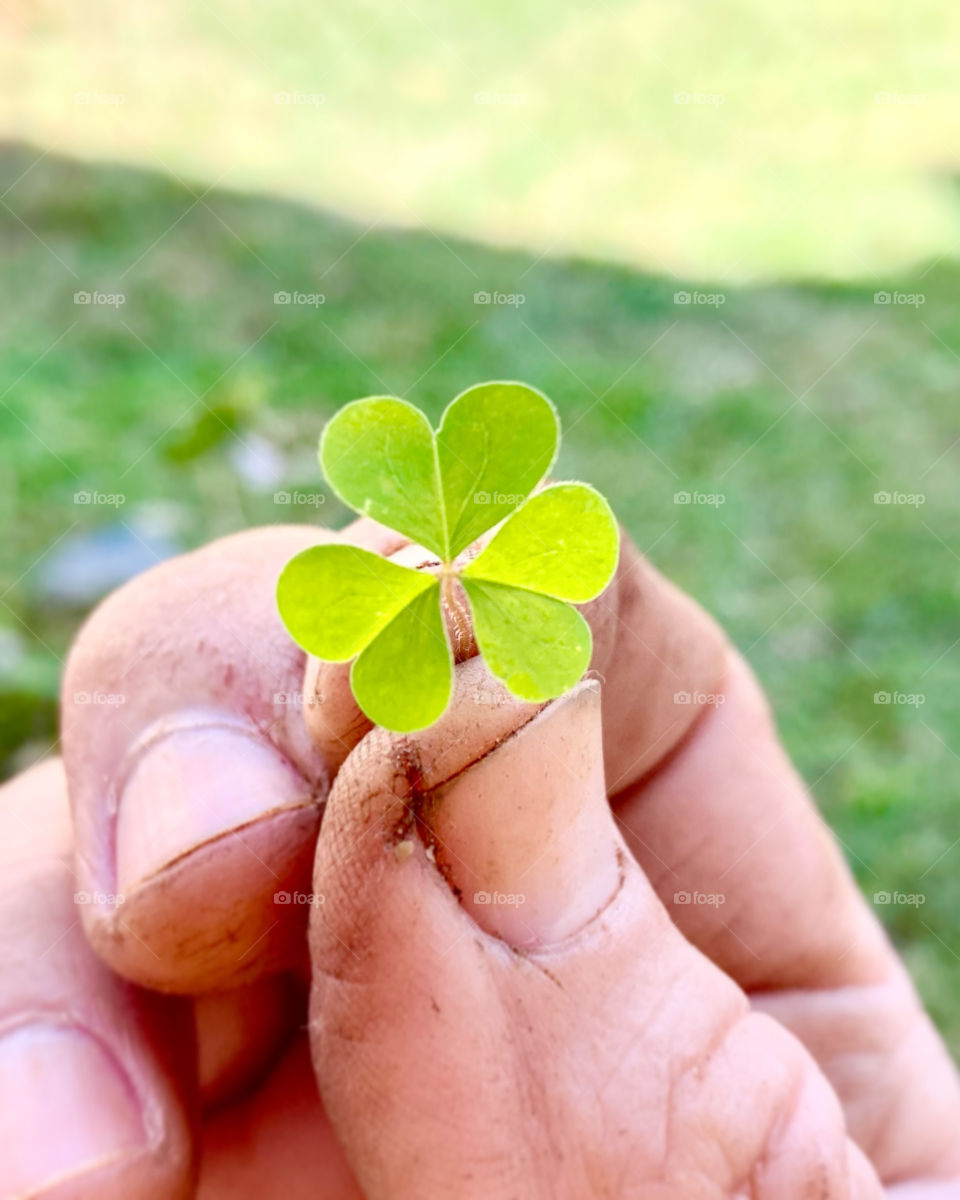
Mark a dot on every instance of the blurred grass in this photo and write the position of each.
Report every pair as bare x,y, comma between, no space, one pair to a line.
796,404
817,139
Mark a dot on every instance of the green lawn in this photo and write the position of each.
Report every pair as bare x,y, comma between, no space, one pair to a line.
811,138
796,404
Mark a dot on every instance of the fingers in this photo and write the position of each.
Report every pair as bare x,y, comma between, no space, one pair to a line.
93,1073
193,781
196,798
660,658
734,847
491,832
501,1005
710,807
276,1141
241,1033
728,817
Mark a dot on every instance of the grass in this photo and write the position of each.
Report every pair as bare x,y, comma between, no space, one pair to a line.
796,404
816,142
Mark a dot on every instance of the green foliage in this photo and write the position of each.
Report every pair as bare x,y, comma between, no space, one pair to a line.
538,646
379,456
336,599
494,444
559,544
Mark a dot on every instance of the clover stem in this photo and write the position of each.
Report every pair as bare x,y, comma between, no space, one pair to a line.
456,612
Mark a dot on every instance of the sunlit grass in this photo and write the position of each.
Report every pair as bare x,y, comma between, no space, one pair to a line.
734,141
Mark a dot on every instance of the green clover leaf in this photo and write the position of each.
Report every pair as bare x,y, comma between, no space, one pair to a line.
444,489
495,443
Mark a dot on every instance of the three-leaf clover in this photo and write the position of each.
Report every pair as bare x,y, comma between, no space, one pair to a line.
444,489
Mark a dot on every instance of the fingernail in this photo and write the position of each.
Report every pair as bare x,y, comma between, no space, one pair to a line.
65,1107
525,834
192,784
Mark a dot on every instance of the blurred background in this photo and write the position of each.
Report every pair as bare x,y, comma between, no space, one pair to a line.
724,239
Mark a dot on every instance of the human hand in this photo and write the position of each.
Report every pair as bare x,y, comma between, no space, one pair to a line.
601,1038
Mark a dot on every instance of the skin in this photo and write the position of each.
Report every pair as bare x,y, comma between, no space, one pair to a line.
399,1036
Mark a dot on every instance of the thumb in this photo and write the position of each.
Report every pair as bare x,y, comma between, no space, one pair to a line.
500,1003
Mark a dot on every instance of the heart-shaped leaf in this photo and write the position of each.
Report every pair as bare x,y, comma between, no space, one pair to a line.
404,678
563,542
380,457
495,443
537,645
335,599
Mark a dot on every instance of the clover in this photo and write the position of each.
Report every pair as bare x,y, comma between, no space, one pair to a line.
554,548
